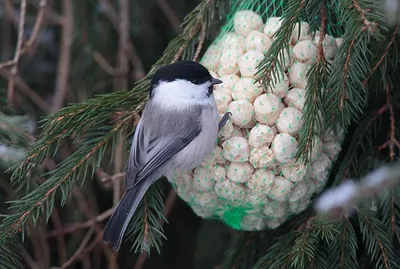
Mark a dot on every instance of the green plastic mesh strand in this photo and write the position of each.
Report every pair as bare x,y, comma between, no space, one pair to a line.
251,181
271,8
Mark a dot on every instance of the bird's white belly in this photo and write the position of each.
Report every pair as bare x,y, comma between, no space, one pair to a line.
202,146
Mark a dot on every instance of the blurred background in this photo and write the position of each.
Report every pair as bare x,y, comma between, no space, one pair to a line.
72,50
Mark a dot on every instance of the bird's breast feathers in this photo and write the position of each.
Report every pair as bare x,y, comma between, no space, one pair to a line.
202,145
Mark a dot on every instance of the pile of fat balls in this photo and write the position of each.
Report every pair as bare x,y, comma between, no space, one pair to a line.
253,167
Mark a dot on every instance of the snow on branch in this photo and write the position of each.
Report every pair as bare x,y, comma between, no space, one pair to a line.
348,195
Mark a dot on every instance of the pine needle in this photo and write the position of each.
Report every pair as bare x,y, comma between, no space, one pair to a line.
270,68
376,239
343,249
347,93
313,110
145,229
9,255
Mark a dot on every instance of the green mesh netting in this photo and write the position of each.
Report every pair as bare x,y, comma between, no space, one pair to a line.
251,181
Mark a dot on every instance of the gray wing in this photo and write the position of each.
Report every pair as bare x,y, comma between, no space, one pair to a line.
138,153
151,148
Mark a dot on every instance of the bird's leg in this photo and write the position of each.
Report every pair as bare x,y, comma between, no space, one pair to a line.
225,119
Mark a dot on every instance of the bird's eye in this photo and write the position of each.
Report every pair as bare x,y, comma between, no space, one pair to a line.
195,81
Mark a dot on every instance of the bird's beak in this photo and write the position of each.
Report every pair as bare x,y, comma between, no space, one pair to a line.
215,81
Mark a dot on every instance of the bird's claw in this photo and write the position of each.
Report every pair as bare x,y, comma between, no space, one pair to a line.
224,119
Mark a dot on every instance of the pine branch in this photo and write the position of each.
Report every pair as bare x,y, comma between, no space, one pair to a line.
320,261
278,256
361,144
390,209
347,94
324,229
72,170
362,155
314,17
343,250
302,248
386,54
376,238
306,247
8,255
243,253
149,213
314,99
271,68
70,122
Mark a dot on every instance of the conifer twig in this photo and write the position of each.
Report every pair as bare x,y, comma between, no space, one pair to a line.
81,225
180,51
20,39
105,65
132,54
79,251
24,215
36,26
382,247
343,95
14,62
201,42
368,25
51,16
26,90
342,252
21,48
169,14
322,32
91,246
107,180
63,69
121,84
392,141
62,251
6,64
347,92
343,248
317,77
40,247
85,208
358,137
117,169
267,70
168,205
111,12
384,54
10,12
376,239
28,258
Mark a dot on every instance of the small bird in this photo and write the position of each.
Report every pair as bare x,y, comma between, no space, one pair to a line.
178,129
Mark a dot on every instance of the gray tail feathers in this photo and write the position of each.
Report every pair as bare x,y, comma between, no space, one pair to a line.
117,224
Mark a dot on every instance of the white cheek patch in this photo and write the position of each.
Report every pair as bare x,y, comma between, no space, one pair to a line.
182,93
